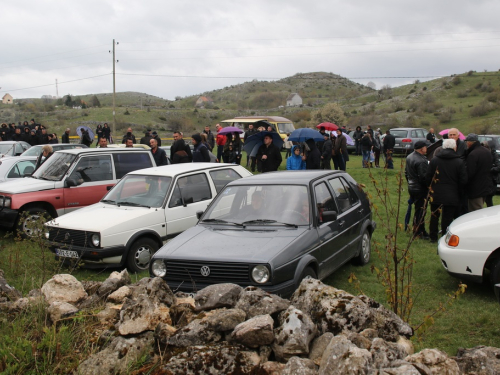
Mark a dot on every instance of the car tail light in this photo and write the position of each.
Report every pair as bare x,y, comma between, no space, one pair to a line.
406,140
453,241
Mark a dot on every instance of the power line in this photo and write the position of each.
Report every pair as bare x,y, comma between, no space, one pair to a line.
53,84
45,61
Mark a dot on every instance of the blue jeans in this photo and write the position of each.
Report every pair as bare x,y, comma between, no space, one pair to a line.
366,157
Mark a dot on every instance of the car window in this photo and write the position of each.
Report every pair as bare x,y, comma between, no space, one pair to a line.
93,168
127,162
399,133
346,197
420,133
221,177
21,168
190,189
55,167
324,200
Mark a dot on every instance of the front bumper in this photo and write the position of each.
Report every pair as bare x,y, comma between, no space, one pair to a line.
8,217
89,255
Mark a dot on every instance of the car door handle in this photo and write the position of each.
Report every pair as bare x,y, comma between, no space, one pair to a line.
341,223
360,211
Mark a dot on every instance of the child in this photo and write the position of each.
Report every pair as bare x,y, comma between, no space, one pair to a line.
295,162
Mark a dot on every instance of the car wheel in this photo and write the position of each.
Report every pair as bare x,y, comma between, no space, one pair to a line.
495,272
140,254
28,222
364,249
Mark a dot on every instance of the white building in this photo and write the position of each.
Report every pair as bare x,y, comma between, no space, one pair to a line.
293,100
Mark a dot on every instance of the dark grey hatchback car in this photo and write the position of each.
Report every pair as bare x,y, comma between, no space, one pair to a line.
271,230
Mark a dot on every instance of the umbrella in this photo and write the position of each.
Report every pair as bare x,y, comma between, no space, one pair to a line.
302,135
253,142
80,128
230,129
432,148
328,126
445,131
347,137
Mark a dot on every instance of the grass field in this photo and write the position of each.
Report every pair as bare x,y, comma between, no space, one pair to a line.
467,322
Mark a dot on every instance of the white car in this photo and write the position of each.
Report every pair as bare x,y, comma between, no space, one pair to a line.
145,209
471,246
16,167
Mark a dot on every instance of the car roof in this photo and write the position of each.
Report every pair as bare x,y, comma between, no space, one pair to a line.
79,151
17,158
175,169
303,177
11,142
407,129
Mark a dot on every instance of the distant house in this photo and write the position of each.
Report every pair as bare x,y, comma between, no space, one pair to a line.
7,99
203,101
293,100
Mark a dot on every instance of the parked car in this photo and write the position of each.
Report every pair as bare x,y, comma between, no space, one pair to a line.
406,138
271,230
122,145
144,209
351,149
68,180
490,137
13,148
16,167
37,150
470,246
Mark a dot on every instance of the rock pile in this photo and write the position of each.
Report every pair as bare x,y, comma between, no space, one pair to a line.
225,329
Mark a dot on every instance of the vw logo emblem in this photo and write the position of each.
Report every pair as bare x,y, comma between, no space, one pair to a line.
66,237
205,271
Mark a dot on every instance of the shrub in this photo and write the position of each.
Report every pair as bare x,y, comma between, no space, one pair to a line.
162,118
469,73
481,109
492,97
446,115
456,80
462,94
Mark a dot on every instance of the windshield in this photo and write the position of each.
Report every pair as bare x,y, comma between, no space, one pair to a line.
55,167
399,133
261,204
33,151
285,127
7,149
140,191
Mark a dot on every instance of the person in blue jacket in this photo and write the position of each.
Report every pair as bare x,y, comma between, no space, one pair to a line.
295,162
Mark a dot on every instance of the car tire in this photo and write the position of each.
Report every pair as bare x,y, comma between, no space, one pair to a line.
26,221
364,249
140,254
495,272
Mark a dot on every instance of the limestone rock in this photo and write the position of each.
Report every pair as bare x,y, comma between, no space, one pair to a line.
63,288
293,336
117,356
255,332
255,301
108,316
334,310
113,282
481,360
141,315
343,357
436,360
225,320
119,295
59,310
7,292
300,366
272,368
215,359
216,296
182,314
360,341
405,369
385,352
91,287
156,289
195,333
319,346
162,334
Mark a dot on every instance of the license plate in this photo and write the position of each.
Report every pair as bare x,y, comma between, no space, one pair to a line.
67,253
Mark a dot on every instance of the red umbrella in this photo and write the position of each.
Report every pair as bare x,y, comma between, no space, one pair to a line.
328,126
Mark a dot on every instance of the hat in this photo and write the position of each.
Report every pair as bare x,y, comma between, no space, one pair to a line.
472,138
196,137
326,135
155,133
419,145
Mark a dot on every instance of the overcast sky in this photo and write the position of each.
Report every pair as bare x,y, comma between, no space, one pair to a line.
180,48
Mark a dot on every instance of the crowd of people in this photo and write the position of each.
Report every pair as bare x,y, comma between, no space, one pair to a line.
32,133
461,177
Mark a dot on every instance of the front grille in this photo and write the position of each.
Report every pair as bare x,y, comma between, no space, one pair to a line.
219,272
70,237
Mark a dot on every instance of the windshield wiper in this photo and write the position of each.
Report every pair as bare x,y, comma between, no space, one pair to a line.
220,221
267,221
125,203
110,201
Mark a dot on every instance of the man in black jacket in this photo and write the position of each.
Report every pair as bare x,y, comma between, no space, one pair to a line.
446,176
313,158
269,155
210,137
415,172
158,154
478,164
180,152
326,156
65,136
251,131
389,143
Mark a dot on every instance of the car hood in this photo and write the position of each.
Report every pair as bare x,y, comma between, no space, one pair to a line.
477,221
102,217
25,185
238,245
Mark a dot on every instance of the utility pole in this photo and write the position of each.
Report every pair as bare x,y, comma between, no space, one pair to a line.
114,92
57,90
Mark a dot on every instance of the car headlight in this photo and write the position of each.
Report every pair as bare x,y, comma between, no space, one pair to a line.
260,274
47,233
159,268
96,239
6,202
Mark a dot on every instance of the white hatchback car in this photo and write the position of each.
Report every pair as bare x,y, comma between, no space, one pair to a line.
143,210
471,246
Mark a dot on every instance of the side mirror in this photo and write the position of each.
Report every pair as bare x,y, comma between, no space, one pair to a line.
329,216
71,182
198,214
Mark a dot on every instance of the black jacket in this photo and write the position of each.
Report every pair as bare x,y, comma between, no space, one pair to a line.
461,149
357,135
478,164
313,160
180,152
327,150
160,156
210,139
389,142
416,172
65,138
273,160
200,154
431,137
366,143
446,176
